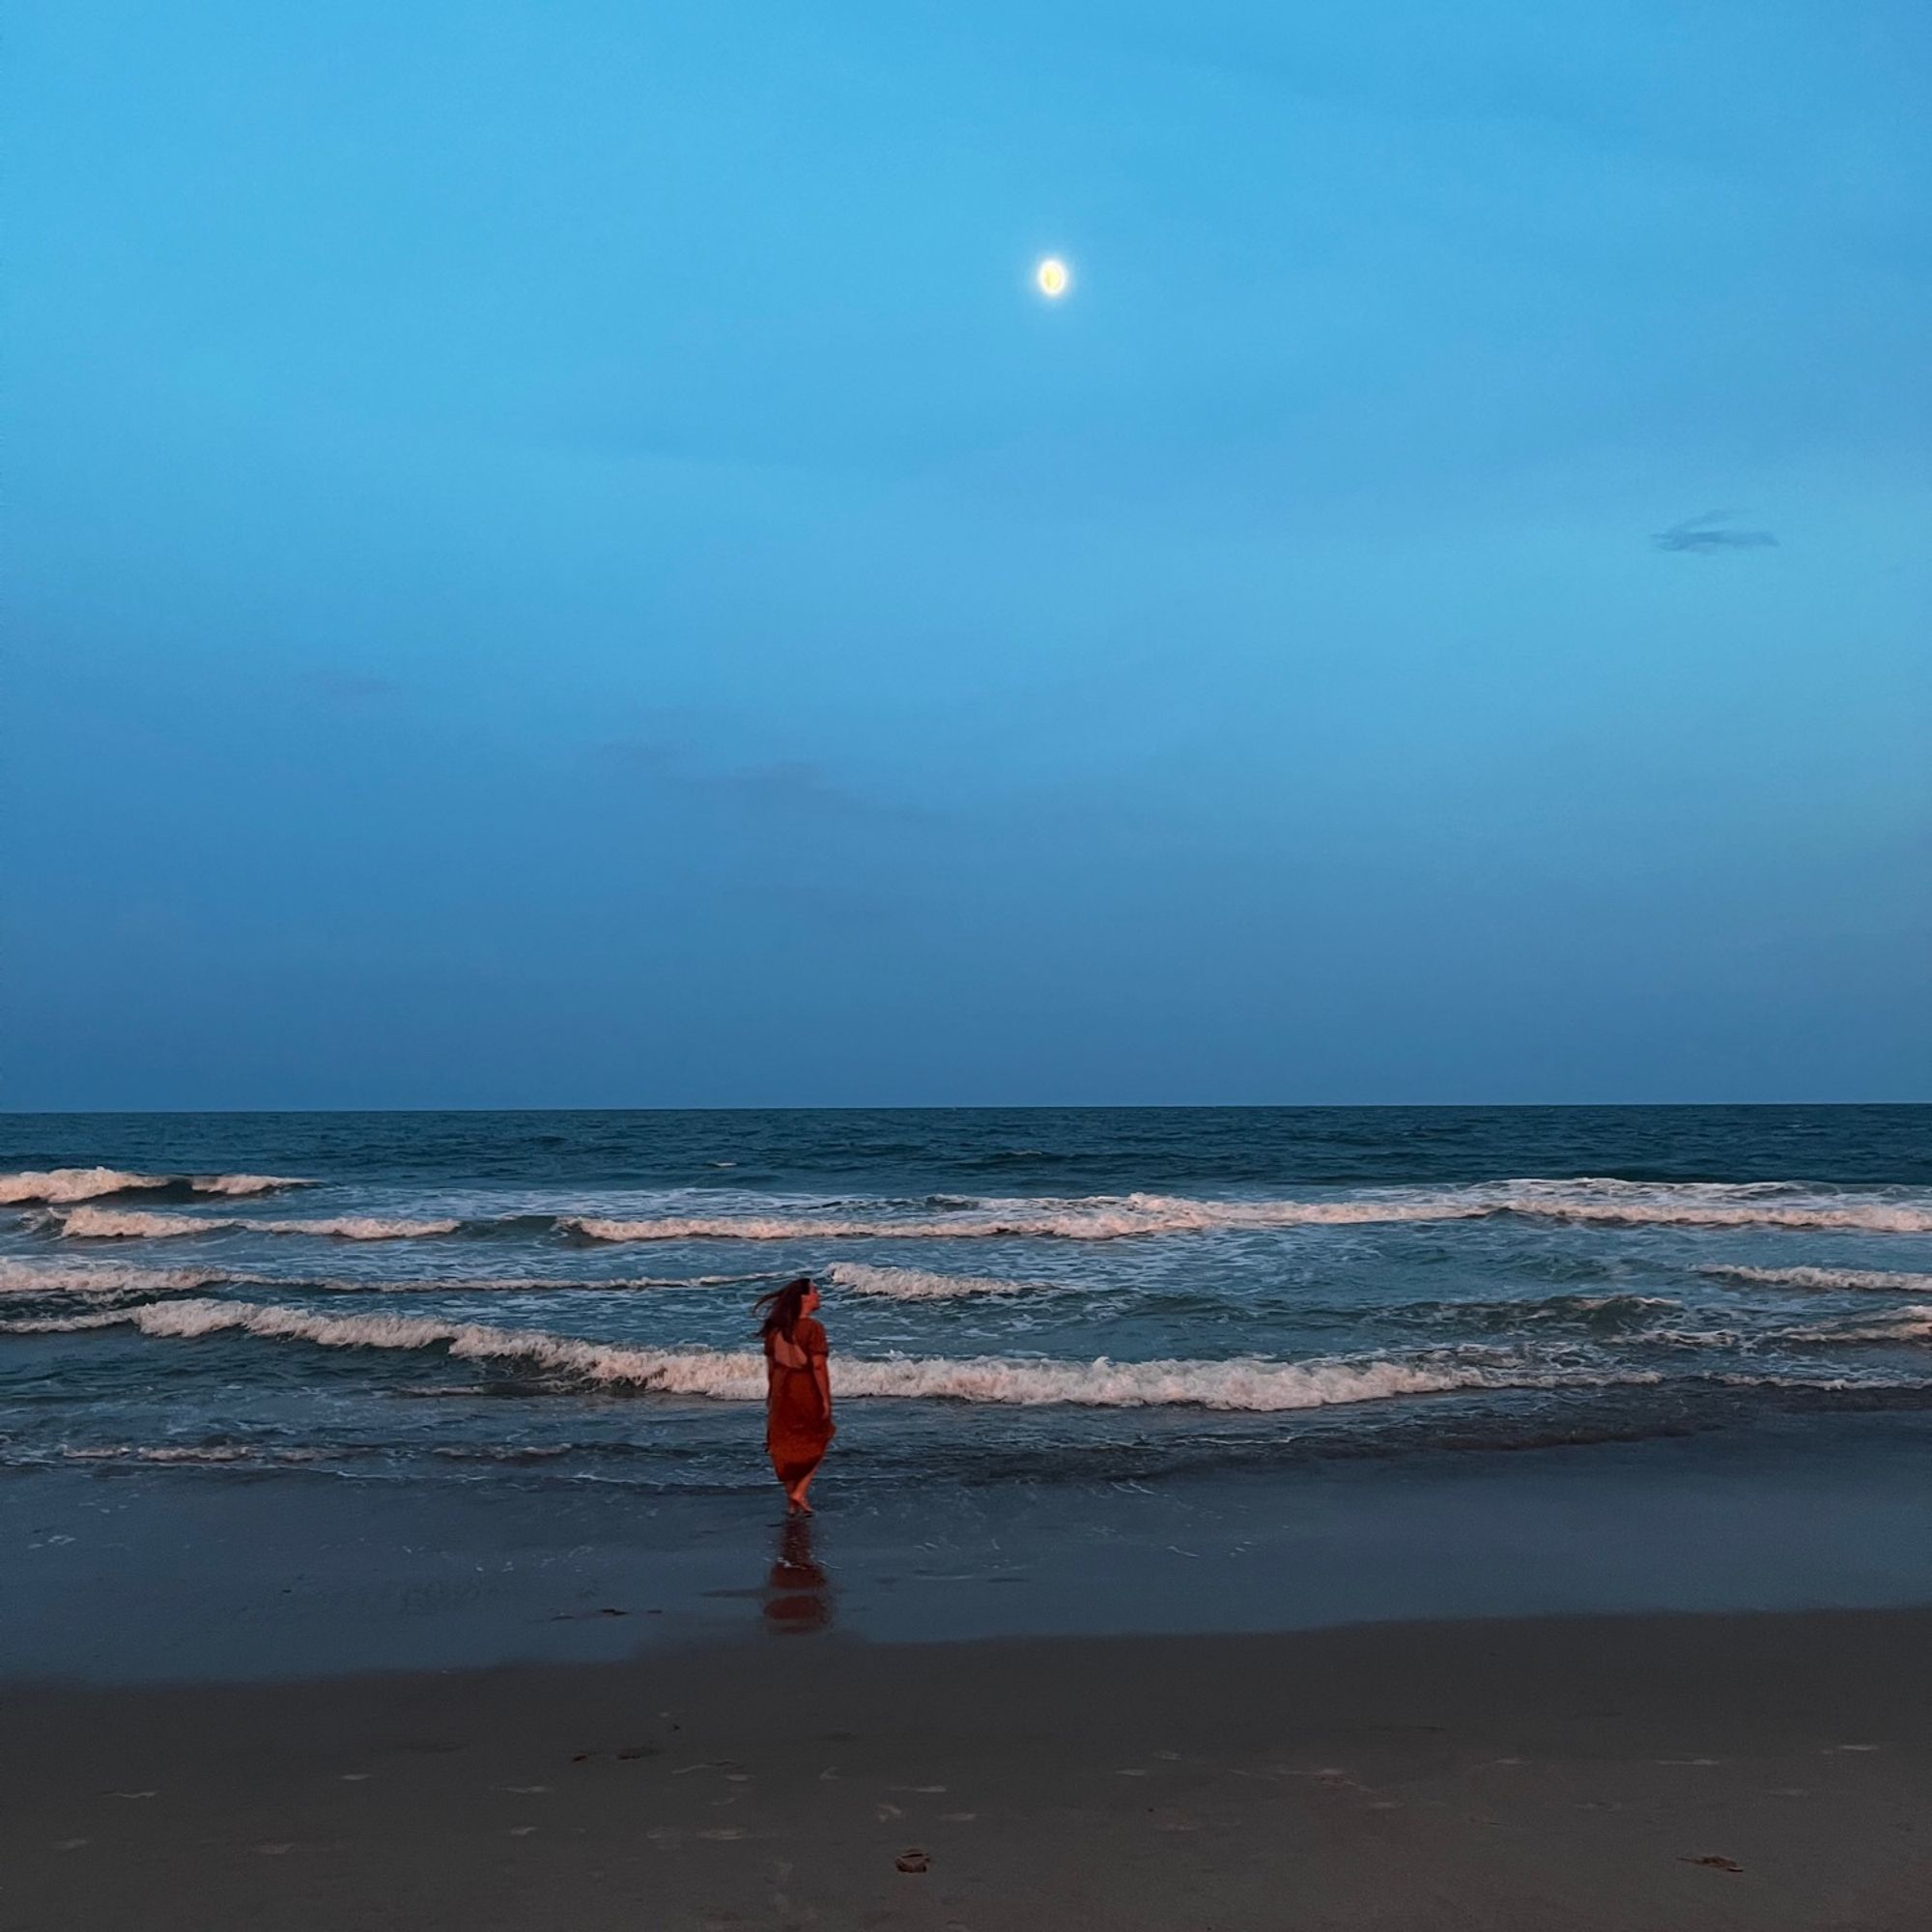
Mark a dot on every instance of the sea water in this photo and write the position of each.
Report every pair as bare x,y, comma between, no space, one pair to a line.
1025,1297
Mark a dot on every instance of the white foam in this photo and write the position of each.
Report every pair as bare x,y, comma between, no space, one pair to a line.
1911,1323
130,1224
101,1278
1248,1383
1714,1205
73,1325
86,1183
360,1228
1096,1218
1826,1280
115,1279
141,1224
1111,1218
899,1284
72,1183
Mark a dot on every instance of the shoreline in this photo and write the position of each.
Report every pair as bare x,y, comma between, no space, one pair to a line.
143,1576
1767,1770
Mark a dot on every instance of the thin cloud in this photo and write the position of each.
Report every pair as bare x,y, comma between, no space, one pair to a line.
1705,535
796,789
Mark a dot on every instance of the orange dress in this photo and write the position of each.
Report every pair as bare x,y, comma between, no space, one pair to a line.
798,1419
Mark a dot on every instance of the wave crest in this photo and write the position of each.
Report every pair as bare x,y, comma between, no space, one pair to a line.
1246,1383
1911,1323
1099,1217
1829,1280
59,1184
111,1224
103,1279
900,1284
1113,1217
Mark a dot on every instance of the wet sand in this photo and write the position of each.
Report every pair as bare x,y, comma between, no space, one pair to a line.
1755,1772
129,1575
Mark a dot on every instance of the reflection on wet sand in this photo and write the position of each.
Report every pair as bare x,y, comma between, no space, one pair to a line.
798,1593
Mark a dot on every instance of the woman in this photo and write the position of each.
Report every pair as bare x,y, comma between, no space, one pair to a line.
798,1388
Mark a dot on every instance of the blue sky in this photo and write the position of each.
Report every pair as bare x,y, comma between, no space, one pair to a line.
558,560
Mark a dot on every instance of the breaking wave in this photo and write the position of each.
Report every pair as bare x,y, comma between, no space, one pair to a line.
898,1284
1248,1383
1095,1218
104,1279
122,1280
90,1184
109,1224
1902,1324
1112,1217
1828,1280
1086,1218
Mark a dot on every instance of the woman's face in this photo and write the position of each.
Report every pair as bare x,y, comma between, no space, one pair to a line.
810,1302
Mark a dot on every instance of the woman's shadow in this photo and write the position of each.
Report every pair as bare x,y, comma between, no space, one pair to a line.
798,1593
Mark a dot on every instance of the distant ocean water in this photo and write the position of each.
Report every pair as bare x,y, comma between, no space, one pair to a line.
1012,1295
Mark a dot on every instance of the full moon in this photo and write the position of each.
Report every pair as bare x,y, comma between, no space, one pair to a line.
1052,277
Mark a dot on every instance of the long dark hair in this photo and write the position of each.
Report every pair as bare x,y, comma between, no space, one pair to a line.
780,1307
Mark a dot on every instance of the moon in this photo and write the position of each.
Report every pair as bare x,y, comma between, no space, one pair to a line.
1051,278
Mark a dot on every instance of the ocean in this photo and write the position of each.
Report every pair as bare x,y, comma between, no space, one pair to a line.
1023,1298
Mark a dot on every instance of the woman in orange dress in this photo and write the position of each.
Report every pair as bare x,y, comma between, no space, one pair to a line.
798,1388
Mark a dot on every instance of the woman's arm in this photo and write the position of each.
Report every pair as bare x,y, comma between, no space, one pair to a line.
822,1368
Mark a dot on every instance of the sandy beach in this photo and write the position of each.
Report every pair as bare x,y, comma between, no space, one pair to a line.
1760,1772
